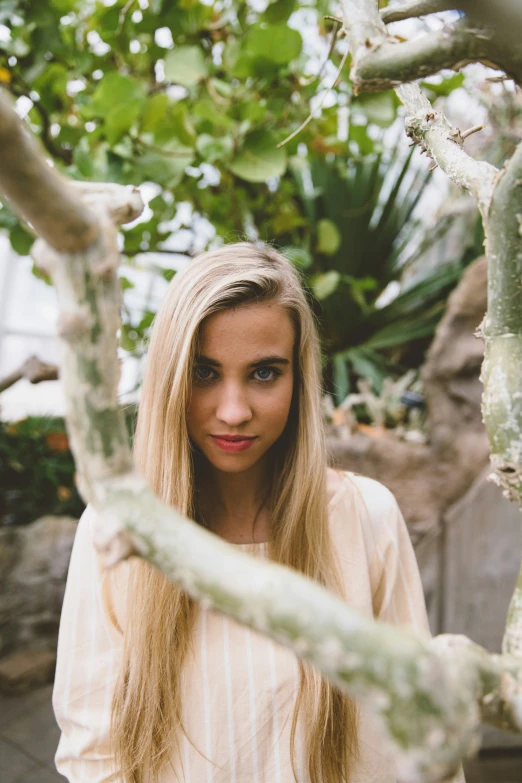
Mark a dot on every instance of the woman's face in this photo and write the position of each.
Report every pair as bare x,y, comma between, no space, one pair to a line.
230,396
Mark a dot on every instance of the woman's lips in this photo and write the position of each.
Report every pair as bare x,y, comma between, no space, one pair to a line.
233,445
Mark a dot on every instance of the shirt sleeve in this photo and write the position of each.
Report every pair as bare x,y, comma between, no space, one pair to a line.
398,595
87,664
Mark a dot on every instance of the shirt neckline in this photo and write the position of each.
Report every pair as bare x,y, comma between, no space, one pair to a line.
264,544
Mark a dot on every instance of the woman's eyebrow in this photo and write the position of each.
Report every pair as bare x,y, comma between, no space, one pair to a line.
202,359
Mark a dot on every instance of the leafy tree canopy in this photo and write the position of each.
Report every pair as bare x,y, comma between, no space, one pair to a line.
195,97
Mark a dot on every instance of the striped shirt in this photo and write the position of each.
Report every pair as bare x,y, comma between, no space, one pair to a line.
238,690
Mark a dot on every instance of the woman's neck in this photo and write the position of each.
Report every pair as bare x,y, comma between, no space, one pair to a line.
235,505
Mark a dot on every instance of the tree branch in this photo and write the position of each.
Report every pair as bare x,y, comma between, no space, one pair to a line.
390,63
34,370
502,368
415,8
427,127
46,138
432,131
502,16
39,194
387,62
499,198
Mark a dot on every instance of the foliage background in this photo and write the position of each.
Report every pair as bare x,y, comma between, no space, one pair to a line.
194,97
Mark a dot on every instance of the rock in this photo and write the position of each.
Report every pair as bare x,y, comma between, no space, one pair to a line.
34,560
23,671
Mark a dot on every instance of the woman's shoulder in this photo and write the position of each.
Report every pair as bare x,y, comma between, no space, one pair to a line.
370,491
376,509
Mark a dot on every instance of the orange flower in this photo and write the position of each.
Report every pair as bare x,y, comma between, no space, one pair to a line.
64,493
57,441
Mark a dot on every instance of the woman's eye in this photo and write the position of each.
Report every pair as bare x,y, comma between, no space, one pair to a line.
197,373
273,373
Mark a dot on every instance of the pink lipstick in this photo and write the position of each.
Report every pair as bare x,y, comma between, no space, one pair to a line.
233,445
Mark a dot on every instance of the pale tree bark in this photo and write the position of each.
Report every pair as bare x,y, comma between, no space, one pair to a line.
499,197
488,34
33,370
430,698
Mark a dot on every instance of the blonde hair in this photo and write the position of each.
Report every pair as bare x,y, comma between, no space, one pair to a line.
146,705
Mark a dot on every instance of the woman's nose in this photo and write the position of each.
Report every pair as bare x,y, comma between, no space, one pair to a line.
234,407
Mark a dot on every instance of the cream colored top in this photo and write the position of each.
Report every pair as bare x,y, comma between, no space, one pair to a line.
238,692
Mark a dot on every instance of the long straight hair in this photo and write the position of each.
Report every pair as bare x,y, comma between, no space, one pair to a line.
146,709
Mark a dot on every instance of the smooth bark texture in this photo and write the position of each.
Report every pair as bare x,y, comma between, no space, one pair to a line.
39,195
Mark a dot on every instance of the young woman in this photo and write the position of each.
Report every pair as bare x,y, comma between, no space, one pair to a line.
150,686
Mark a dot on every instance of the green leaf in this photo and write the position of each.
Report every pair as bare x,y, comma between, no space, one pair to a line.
379,108
341,379
368,364
120,119
298,256
222,88
211,148
279,11
445,86
275,42
127,343
125,284
114,89
7,218
164,169
328,237
253,111
231,53
186,65
324,285
181,124
259,158
359,134
21,240
65,6
155,111
208,110
41,275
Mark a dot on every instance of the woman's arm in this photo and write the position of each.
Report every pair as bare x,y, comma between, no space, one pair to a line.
89,654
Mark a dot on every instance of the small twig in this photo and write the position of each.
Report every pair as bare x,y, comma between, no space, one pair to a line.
502,78
335,33
334,19
121,17
432,168
311,115
33,370
474,129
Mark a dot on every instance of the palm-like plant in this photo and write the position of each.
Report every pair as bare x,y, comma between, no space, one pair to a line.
361,216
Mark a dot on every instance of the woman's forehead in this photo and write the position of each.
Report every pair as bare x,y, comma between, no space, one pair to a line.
249,327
